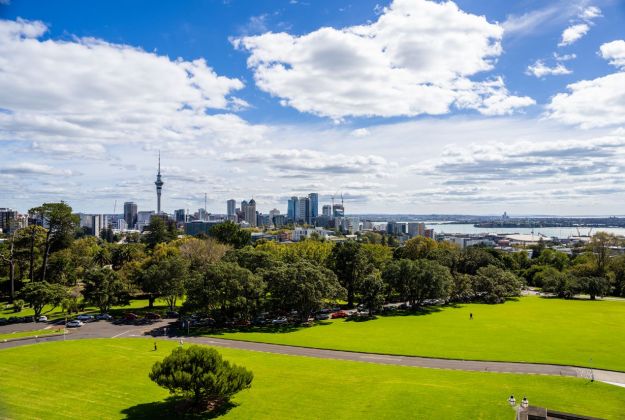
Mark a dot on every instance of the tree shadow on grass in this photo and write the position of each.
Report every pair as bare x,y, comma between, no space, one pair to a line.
267,329
171,408
425,310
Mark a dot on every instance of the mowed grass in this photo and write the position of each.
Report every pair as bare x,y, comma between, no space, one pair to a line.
530,329
33,333
55,313
107,379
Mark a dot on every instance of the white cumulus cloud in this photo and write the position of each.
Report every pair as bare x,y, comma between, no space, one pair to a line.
540,69
573,33
417,58
614,52
89,90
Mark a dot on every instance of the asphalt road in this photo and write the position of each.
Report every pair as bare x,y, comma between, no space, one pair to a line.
103,329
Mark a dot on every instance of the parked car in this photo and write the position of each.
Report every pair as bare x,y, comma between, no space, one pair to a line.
104,317
28,319
172,314
85,318
4,321
323,316
42,318
339,314
259,321
74,324
280,320
152,315
129,316
14,320
242,323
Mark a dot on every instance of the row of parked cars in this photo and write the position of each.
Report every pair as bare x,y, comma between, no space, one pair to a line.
22,319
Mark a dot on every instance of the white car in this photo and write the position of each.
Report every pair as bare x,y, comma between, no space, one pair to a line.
42,318
105,317
280,321
85,317
74,324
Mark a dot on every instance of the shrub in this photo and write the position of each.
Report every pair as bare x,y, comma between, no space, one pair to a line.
18,305
201,375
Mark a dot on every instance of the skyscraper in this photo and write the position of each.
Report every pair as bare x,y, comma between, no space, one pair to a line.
303,213
159,185
327,210
250,213
130,214
293,209
232,204
314,205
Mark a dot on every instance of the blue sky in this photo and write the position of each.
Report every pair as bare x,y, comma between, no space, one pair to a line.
404,106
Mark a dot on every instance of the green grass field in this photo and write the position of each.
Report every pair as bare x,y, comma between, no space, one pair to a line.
107,379
137,305
34,333
531,329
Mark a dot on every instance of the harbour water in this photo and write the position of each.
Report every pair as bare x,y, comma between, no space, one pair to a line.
558,232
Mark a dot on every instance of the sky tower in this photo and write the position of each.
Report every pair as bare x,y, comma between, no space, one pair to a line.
159,185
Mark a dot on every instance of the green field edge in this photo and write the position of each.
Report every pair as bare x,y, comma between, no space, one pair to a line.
29,337
407,355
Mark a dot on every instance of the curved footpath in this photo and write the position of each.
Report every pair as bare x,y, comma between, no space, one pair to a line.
107,330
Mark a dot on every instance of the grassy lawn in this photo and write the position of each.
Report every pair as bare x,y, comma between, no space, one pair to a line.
531,329
136,305
22,334
107,378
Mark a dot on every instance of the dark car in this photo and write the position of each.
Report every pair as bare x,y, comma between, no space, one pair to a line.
129,316
172,314
28,319
259,321
152,315
322,317
14,320
4,321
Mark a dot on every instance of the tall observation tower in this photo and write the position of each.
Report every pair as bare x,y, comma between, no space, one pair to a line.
159,185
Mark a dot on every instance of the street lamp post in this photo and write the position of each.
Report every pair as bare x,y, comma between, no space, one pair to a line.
518,408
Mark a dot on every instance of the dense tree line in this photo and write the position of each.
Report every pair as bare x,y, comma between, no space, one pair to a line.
223,274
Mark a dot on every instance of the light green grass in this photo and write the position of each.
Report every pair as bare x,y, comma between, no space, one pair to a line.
531,329
33,333
107,378
139,305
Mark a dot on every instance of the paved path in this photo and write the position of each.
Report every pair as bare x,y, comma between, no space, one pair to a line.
107,330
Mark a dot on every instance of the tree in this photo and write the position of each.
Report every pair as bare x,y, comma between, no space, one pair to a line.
600,247
251,258
493,284
227,289
202,374
564,285
617,274
302,286
594,286
462,288
350,265
230,233
418,280
9,258
61,226
164,275
418,247
474,258
126,253
39,294
200,252
372,291
104,288
159,231
102,256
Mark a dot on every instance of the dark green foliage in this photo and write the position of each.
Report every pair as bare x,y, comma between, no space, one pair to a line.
41,293
201,374
230,233
493,284
251,258
417,280
225,289
104,288
164,275
350,265
372,292
302,286
159,231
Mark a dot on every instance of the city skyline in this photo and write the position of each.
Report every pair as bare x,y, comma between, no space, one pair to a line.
527,117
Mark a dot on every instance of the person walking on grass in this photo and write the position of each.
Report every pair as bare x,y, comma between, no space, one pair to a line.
155,348
471,316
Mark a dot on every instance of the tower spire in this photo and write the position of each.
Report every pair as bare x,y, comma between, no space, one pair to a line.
159,185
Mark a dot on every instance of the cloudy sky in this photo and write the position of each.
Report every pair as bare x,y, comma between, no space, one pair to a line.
404,106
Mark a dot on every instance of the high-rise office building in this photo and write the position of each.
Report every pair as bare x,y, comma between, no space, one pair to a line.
159,185
416,229
338,210
143,218
8,220
232,205
250,212
304,211
180,216
327,210
130,214
314,206
293,209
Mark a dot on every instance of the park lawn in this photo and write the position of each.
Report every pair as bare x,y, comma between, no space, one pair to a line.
55,313
33,333
107,379
529,329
